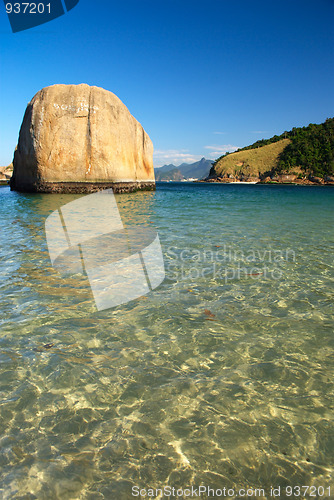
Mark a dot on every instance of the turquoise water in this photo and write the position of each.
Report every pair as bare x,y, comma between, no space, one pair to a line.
222,376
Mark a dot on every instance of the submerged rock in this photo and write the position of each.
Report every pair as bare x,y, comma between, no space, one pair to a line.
77,138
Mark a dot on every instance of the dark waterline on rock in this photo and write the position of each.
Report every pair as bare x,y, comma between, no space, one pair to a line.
221,376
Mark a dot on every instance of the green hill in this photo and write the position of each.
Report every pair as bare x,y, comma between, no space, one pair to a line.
304,152
250,163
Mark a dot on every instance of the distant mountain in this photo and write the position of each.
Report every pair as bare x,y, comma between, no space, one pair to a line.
198,170
166,168
168,175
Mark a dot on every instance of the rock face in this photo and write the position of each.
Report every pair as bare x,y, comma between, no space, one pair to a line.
79,139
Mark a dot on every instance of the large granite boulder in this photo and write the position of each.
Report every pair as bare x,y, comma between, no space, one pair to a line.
79,139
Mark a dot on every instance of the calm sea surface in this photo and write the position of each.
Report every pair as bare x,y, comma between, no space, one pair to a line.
221,377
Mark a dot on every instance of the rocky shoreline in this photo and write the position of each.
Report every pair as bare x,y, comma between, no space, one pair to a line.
275,179
5,175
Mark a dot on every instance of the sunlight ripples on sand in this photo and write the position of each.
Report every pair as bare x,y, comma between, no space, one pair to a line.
212,378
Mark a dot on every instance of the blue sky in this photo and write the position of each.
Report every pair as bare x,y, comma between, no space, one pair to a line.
202,77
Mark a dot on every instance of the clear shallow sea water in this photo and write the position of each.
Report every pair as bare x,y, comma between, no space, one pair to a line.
222,376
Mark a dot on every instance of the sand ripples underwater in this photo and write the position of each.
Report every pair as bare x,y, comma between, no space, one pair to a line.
214,378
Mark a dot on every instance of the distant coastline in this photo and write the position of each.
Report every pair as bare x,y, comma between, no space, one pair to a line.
244,183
